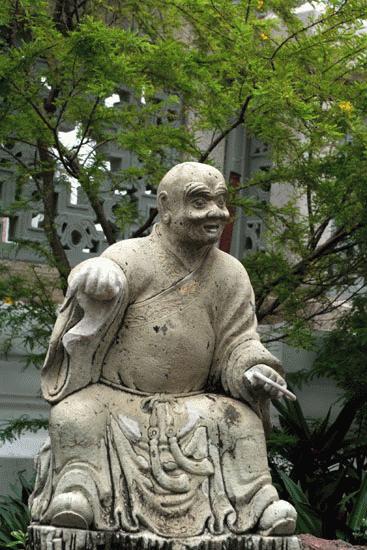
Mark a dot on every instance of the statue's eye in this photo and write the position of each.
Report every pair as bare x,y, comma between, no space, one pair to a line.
221,202
199,203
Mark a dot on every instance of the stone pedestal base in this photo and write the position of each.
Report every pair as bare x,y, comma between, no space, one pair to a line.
55,538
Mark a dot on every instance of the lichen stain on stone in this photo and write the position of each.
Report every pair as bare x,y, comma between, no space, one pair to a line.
231,415
189,288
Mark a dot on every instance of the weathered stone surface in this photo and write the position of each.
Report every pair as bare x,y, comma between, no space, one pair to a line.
51,538
156,414
309,542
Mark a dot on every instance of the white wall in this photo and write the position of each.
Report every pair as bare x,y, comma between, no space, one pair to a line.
19,395
316,396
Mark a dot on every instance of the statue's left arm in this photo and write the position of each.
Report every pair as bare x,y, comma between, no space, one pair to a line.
238,347
85,327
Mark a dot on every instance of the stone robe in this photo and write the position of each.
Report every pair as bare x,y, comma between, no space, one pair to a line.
151,418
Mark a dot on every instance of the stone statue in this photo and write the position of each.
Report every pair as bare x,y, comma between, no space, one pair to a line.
156,419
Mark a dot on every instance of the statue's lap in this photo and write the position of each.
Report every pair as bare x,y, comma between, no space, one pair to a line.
201,455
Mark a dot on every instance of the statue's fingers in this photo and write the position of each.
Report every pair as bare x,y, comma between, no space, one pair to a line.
115,281
106,287
91,283
113,284
267,371
101,290
278,379
277,395
274,376
256,381
282,382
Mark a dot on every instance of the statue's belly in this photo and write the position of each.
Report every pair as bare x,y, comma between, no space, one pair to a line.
167,348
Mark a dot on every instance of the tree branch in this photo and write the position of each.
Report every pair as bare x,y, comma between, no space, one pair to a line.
70,94
139,232
301,268
17,159
310,216
239,120
87,126
47,193
344,58
248,8
329,308
72,166
97,146
305,29
320,230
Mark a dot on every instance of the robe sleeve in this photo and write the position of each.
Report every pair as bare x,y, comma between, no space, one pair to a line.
83,333
238,346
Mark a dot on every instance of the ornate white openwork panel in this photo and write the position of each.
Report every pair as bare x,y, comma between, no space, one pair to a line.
244,156
21,227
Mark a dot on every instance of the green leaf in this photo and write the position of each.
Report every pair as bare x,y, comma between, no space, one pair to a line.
336,433
359,511
307,520
292,417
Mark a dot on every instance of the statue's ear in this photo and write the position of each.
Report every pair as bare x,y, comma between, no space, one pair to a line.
163,207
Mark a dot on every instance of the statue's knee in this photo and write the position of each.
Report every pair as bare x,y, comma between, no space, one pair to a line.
77,419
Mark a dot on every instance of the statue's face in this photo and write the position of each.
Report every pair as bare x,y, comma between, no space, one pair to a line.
199,212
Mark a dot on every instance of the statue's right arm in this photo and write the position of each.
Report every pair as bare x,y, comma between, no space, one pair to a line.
88,320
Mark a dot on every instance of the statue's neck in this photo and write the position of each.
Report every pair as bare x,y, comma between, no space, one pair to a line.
187,253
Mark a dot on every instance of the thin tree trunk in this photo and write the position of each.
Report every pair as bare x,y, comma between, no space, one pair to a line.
50,212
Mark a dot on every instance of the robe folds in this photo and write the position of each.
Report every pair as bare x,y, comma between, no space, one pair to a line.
151,419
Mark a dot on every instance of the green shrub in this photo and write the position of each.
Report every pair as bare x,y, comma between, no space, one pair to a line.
320,467
14,514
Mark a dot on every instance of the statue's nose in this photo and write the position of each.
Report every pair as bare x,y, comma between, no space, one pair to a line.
216,212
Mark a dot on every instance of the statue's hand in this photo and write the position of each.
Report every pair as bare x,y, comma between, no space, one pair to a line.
262,386
98,278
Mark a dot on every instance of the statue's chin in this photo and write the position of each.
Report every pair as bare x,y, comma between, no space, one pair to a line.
205,236
209,238
200,243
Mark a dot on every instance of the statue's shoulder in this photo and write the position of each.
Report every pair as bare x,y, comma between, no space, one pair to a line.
230,276
128,254
134,256
228,267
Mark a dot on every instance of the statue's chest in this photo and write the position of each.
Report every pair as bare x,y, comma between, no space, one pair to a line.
166,343
171,302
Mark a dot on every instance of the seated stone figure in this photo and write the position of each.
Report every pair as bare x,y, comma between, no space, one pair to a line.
155,422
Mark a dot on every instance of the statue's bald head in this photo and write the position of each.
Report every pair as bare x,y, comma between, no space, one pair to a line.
174,183
192,203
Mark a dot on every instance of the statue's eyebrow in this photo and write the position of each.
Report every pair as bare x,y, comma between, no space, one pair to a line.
198,188
221,191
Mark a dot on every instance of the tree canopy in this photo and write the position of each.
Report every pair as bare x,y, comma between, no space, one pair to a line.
296,80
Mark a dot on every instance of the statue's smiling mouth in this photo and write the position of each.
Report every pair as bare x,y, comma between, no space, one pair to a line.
212,228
